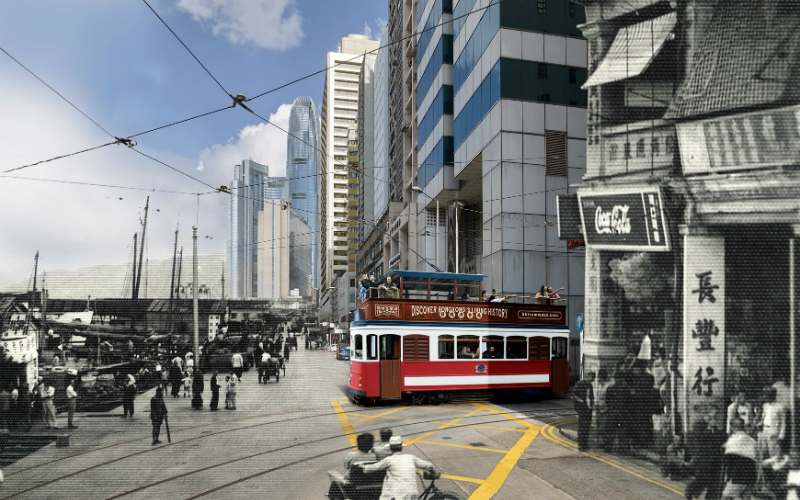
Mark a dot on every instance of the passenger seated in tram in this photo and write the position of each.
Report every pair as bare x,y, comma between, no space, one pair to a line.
490,353
465,353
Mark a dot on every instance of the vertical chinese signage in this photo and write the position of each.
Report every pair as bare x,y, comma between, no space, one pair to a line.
704,329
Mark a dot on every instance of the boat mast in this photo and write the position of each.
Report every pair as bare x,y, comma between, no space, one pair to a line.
172,284
133,285
141,251
35,271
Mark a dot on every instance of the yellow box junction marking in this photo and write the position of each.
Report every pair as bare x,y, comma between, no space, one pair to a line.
379,415
476,448
345,422
442,427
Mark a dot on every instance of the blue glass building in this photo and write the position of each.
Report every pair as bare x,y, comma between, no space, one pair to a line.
302,170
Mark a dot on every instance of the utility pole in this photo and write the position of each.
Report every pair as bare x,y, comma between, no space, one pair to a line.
223,281
180,268
172,283
194,300
141,251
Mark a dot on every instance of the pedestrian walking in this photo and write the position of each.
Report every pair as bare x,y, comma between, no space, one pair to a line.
739,461
583,396
24,407
128,395
214,392
232,390
227,392
49,406
72,403
705,446
197,390
237,362
158,412
5,407
37,412
175,378
286,350
13,422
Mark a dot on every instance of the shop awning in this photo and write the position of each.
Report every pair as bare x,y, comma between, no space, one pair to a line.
748,59
632,50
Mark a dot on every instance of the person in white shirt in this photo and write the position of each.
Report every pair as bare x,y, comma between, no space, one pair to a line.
401,469
237,362
72,402
49,407
773,421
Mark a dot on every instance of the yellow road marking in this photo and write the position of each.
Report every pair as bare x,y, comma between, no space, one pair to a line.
347,427
498,476
441,427
513,419
379,415
465,479
549,433
478,448
399,418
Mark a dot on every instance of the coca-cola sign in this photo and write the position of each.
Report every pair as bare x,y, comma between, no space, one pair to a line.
625,221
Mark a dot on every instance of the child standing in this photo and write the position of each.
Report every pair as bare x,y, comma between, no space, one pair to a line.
187,382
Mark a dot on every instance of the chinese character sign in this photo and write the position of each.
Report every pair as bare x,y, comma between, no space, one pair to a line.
704,329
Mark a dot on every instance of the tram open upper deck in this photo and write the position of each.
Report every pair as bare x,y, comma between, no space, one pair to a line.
419,342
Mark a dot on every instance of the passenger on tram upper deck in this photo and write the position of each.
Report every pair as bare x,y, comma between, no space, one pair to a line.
553,294
491,297
465,296
541,296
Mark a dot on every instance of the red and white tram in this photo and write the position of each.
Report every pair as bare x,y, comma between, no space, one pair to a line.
419,344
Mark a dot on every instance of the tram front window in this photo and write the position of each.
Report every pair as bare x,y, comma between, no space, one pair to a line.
446,350
559,348
467,346
372,347
492,347
358,347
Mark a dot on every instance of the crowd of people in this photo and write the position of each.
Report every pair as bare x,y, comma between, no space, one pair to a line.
23,405
748,457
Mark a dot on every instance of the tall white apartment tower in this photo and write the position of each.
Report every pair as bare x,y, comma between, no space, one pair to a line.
338,191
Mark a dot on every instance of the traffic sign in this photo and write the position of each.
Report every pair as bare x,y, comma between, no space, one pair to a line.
579,321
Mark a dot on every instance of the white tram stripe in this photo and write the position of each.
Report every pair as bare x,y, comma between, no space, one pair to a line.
477,379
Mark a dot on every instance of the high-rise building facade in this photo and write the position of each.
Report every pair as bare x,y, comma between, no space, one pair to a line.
273,250
500,131
300,254
336,186
250,187
302,169
374,164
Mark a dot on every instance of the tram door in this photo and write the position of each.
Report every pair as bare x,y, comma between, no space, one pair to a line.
390,366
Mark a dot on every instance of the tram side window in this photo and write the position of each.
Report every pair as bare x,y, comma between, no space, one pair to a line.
516,348
446,347
559,348
416,348
372,347
358,347
492,346
467,346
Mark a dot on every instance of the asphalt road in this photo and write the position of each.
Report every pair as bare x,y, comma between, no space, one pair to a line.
284,436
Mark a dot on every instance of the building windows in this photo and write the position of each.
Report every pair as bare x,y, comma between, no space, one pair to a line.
483,34
543,71
442,55
572,10
441,155
442,105
541,6
573,75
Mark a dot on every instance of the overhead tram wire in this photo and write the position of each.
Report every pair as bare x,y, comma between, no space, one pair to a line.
187,49
61,181
401,40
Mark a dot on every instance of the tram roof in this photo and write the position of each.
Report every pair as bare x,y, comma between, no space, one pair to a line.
434,275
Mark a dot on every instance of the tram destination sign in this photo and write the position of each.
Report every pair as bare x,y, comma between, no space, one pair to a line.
625,221
461,312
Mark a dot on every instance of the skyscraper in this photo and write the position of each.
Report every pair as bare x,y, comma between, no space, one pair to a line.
250,187
338,186
303,168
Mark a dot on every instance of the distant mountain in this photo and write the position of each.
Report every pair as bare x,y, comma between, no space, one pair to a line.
115,280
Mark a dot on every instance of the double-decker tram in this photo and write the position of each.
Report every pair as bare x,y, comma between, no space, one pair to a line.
419,343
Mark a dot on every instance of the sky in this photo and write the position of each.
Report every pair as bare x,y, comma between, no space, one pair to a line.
122,67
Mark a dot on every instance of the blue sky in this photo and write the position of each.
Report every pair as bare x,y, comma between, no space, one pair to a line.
120,65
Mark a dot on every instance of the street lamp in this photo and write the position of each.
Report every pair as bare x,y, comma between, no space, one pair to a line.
419,190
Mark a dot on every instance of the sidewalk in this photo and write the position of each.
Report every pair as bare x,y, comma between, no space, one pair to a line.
649,467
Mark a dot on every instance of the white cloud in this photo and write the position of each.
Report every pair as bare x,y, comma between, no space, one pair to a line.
262,142
367,31
269,24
